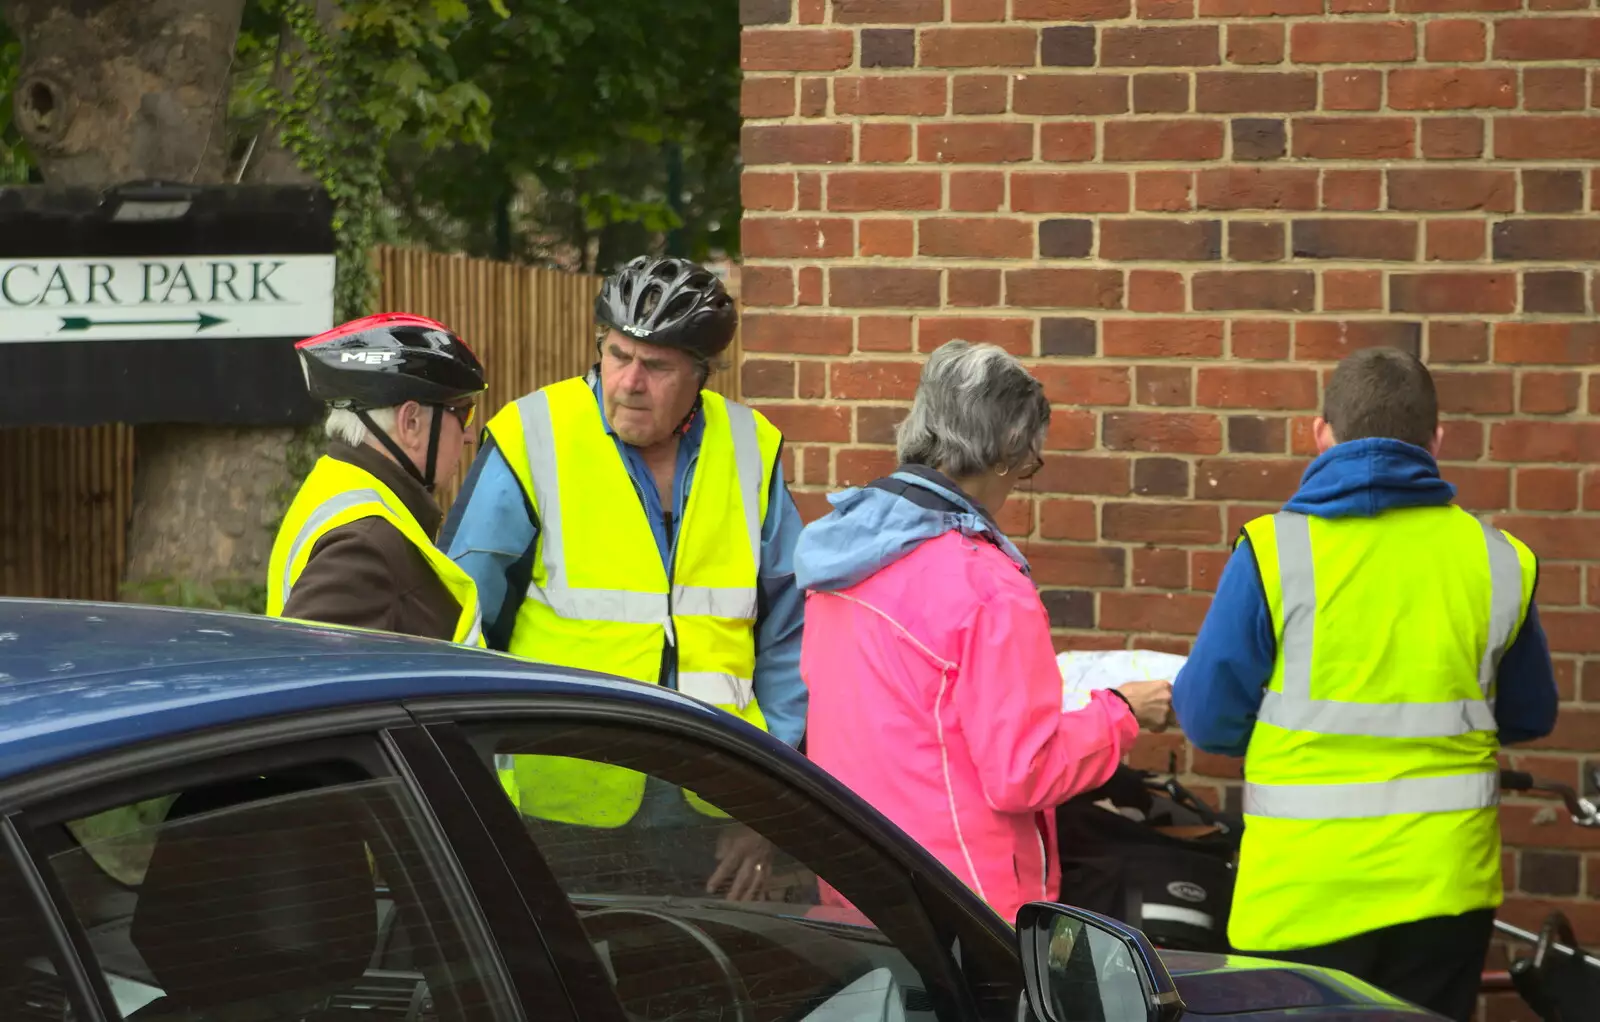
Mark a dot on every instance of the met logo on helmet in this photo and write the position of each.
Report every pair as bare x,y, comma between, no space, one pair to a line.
635,331
371,358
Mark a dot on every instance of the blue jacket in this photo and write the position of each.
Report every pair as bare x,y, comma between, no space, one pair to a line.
491,531
1219,690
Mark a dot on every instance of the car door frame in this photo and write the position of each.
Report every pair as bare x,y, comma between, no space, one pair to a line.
952,911
381,733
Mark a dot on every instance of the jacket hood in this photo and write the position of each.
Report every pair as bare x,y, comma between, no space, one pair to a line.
1363,478
871,527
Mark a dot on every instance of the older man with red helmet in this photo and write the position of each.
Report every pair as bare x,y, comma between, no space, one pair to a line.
356,546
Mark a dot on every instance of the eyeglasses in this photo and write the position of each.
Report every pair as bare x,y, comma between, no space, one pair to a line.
1032,470
464,413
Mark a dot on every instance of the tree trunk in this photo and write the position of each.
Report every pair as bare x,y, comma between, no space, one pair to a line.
117,90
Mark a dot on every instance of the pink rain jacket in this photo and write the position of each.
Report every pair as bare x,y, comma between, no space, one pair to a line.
934,692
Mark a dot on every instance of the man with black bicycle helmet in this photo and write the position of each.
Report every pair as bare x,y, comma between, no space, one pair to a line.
632,522
356,546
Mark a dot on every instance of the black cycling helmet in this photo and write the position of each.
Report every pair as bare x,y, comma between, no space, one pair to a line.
386,360
671,302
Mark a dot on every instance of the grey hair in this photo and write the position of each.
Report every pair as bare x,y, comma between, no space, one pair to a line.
342,424
977,408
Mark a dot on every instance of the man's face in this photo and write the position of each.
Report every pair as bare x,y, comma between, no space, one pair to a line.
413,424
647,389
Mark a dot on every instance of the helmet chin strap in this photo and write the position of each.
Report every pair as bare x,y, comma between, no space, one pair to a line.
425,477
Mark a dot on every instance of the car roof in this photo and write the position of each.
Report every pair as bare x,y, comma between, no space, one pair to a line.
78,678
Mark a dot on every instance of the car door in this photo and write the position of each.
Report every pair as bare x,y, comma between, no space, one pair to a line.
616,820
270,872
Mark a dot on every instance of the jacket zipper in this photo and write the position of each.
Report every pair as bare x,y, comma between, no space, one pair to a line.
669,651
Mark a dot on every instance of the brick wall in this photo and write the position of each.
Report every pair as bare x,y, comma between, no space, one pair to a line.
1183,212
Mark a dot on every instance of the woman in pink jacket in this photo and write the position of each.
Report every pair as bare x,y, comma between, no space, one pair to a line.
934,688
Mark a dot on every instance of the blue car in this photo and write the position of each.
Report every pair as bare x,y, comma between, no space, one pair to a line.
238,819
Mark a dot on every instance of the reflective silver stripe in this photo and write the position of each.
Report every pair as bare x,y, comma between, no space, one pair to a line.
318,517
539,437
602,604
1381,798
717,688
747,461
1505,603
1293,709
707,601
476,632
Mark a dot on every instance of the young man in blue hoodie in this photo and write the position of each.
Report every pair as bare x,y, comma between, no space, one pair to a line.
1370,648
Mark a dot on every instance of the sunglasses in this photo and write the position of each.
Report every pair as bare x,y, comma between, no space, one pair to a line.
464,414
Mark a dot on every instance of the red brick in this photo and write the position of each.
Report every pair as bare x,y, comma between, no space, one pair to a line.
1255,91
1162,432
1545,441
795,143
802,422
1259,8
815,465
1547,138
1282,389
1247,479
1463,441
1069,191
885,143
1547,39
979,94
1066,141
1448,190
1168,10
1352,290
1061,565
1263,340
1283,290
1458,342
1329,340
1064,289
1162,338
1160,239
1352,89
1014,335
860,466
1157,291
1353,138
813,97
886,12
894,238
808,188
811,380
1549,489
1164,386
788,49
1163,191
972,288
1474,392
1351,190
1083,385
903,95
1082,473
1455,240
1453,41
856,287
766,96
1072,95
811,505
812,12
792,237
976,238
1010,46
1161,569
862,380
766,285
978,191
766,377
974,142
1254,43
1554,88
808,285
1365,239
1160,46
1549,393
1161,92
883,333
1161,523
1576,344
1356,42
857,191
764,192
1257,188
1455,292
799,335
1455,6
977,10
1136,141
1068,519
1153,612
1452,138
1479,488
1452,88
1069,10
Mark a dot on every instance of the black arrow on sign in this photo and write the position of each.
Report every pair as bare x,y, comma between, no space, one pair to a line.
202,321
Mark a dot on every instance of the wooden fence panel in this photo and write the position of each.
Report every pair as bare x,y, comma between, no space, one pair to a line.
66,493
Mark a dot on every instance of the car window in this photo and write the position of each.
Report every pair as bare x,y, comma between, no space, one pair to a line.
649,834
306,892
31,987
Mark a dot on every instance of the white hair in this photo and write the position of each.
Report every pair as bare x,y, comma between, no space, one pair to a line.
342,424
977,408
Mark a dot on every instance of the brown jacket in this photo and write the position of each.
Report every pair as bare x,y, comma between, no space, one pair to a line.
369,575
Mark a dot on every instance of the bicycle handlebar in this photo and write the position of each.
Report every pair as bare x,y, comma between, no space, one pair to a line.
1584,812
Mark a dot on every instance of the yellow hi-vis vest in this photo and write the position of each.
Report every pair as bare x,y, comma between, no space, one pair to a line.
600,598
1372,786
337,493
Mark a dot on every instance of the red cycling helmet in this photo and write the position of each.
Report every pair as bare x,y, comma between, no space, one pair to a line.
386,360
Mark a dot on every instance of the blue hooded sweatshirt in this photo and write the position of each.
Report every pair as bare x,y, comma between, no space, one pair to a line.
1218,692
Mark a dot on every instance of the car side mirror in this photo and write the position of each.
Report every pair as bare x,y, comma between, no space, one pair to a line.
1080,966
